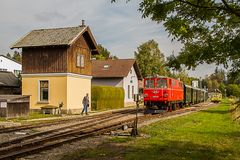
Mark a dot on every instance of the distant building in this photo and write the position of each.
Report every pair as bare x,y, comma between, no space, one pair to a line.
195,83
117,73
10,65
9,83
57,66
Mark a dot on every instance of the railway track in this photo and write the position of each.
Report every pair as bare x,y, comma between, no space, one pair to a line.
56,122
44,140
96,125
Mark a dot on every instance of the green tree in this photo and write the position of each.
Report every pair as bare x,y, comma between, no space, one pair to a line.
9,55
17,56
218,75
184,77
215,84
233,90
222,88
103,54
209,29
150,59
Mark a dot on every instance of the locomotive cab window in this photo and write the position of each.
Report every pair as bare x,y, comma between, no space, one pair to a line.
161,83
149,83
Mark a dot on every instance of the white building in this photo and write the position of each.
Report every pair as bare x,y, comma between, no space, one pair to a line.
117,73
10,65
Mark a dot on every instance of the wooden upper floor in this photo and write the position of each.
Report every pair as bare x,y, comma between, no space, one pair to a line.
60,50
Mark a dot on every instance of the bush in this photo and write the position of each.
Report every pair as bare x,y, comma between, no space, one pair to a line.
233,90
106,97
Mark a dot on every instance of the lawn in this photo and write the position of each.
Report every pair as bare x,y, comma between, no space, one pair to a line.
209,134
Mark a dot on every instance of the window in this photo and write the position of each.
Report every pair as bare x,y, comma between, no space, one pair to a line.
17,72
106,67
128,91
180,85
132,91
173,83
3,69
80,60
44,90
149,83
161,83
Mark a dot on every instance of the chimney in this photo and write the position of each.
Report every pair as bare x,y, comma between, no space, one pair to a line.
83,23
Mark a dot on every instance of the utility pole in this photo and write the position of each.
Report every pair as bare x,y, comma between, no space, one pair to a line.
135,130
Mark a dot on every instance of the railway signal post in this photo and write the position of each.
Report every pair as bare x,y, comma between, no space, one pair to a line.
134,130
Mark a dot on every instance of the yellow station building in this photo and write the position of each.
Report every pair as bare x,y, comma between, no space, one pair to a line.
56,66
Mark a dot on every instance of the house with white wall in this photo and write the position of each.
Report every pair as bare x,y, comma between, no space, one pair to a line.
10,65
117,73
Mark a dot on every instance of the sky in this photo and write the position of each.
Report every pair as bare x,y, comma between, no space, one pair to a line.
119,26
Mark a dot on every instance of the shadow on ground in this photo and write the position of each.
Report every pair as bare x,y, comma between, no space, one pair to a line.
170,150
176,150
216,111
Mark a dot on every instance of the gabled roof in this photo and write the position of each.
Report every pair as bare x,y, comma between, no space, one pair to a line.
8,79
114,68
56,37
10,59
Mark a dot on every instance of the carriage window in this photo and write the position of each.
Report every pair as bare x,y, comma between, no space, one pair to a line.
149,83
161,83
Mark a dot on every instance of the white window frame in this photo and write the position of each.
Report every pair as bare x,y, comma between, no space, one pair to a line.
39,91
80,61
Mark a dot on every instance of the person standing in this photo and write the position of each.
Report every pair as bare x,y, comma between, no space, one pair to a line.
85,103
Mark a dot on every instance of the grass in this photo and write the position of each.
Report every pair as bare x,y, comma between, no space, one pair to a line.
209,134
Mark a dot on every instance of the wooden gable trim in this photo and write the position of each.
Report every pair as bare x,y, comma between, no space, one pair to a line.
86,29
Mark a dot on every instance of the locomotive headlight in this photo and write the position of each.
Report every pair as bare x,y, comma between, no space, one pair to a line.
165,94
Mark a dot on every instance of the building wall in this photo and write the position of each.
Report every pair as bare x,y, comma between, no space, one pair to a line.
67,88
132,81
44,60
80,46
57,90
77,87
9,65
114,82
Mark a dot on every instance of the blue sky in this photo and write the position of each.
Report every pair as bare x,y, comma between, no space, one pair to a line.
117,26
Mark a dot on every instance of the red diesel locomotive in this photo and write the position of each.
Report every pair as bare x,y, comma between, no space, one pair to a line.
163,93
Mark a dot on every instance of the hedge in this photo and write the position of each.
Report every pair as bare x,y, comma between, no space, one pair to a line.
106,97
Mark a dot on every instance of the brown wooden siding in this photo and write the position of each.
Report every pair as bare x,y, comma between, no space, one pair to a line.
79,47
44,60
15,108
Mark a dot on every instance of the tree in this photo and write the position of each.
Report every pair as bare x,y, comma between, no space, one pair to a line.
104,54
150,59
222,88
209,30
17,56
233,90
9,55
